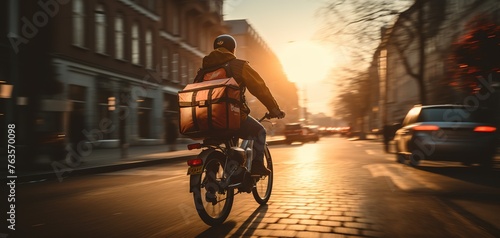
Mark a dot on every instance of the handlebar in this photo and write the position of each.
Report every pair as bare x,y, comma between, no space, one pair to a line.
266,116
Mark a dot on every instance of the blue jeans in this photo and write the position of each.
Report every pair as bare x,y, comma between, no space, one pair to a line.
251,129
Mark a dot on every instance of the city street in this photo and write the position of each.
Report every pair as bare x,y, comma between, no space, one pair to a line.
333,188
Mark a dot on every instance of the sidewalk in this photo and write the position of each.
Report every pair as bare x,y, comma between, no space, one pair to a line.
109,160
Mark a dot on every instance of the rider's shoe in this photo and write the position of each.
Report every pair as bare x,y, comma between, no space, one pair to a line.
210,197
258,168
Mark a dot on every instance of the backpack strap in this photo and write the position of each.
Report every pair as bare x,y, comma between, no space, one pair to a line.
203,71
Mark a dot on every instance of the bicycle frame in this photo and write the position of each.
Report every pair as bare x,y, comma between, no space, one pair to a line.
223,165
230,165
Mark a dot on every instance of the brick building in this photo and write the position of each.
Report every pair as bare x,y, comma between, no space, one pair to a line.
253,48
117,65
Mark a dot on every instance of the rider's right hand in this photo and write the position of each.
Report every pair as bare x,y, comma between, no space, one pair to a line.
276,113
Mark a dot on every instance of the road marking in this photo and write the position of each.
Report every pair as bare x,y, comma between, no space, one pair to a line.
370,152
381,170
404,179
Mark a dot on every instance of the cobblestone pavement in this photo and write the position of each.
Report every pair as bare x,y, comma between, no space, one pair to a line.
314,195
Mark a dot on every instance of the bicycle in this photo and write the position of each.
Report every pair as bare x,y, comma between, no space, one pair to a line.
219,169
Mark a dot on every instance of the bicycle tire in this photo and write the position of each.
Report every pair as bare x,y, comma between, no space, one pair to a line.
213,214
264,186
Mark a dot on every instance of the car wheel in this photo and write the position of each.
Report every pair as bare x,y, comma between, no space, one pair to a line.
487,163
415,160
400,158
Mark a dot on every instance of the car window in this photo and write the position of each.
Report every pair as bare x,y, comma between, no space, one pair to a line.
455,115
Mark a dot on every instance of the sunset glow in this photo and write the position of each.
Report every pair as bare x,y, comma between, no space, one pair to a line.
306,62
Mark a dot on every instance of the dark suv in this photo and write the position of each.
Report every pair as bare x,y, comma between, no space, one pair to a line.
447,133
296,132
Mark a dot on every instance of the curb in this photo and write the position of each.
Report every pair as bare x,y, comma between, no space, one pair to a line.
69,172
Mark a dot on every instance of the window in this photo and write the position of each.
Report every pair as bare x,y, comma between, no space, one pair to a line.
149,49
78,23
175,23
184,73
145,109
151,5
175,68
119,37
135,44
164,63
191,70
100,29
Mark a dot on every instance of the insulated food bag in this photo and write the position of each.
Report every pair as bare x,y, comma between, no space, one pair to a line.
210,108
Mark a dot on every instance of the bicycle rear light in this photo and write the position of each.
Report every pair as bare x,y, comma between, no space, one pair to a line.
195,162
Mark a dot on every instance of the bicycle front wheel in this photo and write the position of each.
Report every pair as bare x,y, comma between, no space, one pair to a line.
263,187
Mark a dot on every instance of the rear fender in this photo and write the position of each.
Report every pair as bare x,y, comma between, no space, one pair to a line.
194,180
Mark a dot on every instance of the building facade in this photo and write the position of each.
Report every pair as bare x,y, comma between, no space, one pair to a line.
108,72
123,61
253,48
443,23
117,65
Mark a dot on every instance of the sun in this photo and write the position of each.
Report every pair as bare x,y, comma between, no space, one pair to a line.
306,62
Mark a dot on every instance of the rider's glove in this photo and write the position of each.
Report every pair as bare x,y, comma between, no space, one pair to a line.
276,113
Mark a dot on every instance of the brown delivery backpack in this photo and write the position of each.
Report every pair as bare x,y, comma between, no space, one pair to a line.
211,105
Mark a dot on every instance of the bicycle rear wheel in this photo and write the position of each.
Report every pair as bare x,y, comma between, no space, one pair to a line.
213,203
263,187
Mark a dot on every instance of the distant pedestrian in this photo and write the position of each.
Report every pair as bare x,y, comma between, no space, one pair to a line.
389,131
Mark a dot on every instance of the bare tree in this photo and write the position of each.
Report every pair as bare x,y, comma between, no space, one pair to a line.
475,54
366,21
355,24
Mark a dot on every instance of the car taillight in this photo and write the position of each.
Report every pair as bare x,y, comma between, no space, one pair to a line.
194,146
485,129
426,128
195,162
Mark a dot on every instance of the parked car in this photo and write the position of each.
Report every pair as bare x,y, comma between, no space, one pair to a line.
312,133
447,133
296,132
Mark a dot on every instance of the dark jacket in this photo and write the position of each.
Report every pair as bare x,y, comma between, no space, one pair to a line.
245,75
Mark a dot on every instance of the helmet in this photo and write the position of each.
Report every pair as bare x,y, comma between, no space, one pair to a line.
225,41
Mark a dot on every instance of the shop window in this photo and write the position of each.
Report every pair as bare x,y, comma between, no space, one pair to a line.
106,107
144,117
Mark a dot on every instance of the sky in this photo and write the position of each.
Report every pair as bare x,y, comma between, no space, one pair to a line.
288,27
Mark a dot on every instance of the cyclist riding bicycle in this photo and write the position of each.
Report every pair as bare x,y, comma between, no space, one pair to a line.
247,78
